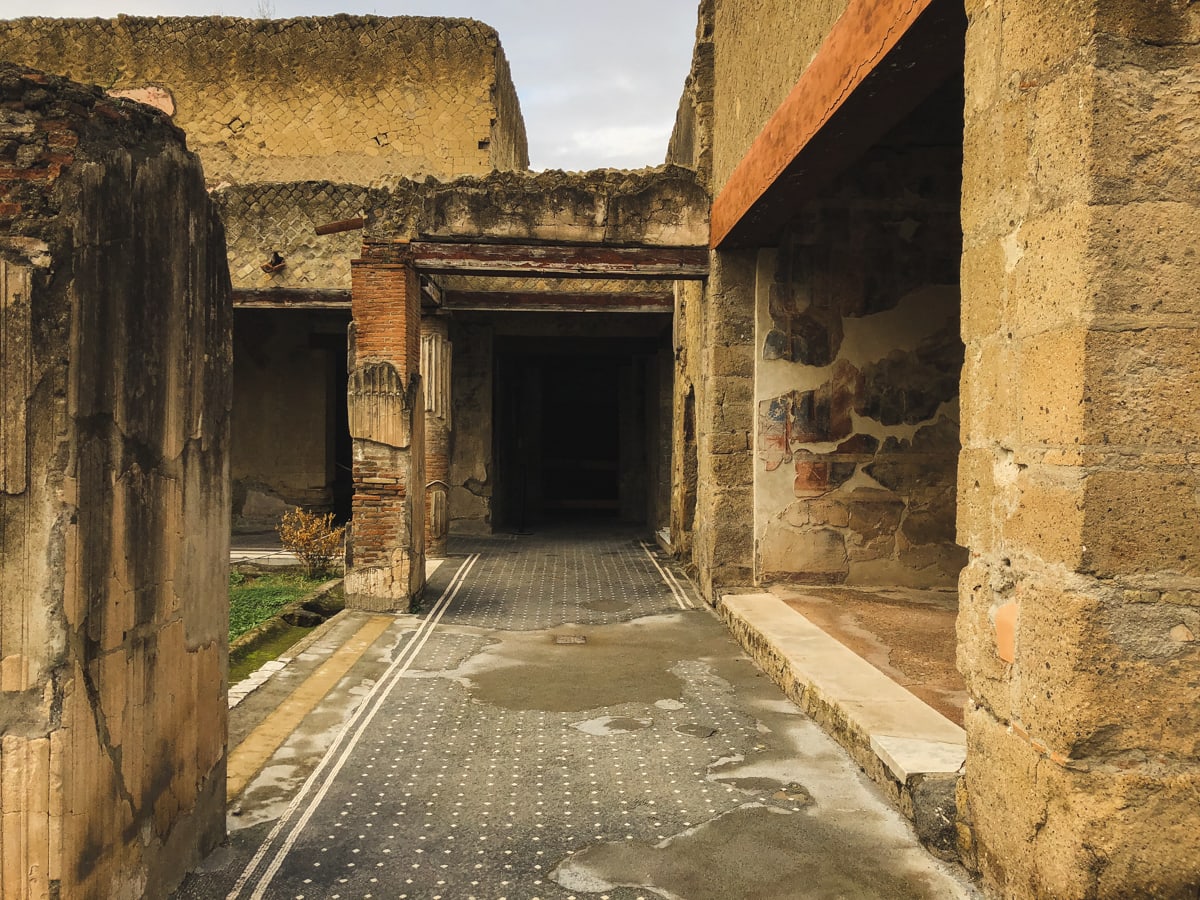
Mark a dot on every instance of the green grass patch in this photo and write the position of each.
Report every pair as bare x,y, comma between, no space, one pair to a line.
255,598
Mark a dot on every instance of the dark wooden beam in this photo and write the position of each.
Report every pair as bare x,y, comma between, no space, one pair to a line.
597,301
559,261
341,225
291,298
880,60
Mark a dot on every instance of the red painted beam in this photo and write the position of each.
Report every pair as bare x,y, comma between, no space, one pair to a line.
879,61
596,301
558,261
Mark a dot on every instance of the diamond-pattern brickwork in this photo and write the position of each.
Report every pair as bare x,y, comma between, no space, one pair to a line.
356,99
270,217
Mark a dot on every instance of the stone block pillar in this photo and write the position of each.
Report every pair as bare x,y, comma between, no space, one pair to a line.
723,542
386,566
435,376
1078,485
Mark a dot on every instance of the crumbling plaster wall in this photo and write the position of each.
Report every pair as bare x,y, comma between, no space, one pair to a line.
284,412
472,466
762,47
114,505
354,99
857,365
1080,608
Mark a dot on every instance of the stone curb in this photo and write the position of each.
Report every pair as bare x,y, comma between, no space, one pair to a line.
912,752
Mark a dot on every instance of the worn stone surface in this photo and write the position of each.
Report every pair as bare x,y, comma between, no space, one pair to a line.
1075,487
665,206
114,505
354,99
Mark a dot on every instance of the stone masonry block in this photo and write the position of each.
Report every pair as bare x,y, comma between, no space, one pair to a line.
984,289
1050,264
1125,237
1051,395
1141,523
1144,123
1144,387
982,590
1045,514
1077,651
976,519
987,392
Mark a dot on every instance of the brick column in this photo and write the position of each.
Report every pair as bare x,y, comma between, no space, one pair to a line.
387,556
435,375
1080,607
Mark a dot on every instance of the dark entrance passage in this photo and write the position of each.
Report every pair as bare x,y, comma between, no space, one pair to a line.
577,430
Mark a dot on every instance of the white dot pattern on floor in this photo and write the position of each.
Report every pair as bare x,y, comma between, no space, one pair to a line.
446,795
544,581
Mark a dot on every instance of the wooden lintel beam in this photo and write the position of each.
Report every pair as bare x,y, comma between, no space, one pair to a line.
291,298
880,60
559,261
341,225
505,301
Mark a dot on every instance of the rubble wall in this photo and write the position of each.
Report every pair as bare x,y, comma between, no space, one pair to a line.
857,365
114,503
1080,607
355,99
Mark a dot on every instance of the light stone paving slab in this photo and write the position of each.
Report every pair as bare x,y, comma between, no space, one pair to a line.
908,735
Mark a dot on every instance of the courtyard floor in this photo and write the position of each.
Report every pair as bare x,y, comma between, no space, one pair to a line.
564,719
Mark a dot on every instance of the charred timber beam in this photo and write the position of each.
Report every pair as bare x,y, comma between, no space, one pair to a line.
291,298
341,225
541,261
880,60
504,301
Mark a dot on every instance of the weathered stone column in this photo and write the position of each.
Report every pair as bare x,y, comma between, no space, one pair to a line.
1078,486
436,378
115,368
387,423
723,541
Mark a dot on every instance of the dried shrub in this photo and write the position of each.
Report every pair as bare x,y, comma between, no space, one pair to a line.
313,538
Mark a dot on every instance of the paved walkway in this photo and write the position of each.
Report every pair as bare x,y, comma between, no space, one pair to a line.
564,720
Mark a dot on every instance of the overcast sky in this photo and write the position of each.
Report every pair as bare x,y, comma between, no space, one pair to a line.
599,82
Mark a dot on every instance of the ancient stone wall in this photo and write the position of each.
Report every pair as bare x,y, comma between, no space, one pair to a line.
1080,608
857,365
762,49
114,505
354,99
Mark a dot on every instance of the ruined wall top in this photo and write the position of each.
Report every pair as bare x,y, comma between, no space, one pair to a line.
50,127
663,206
355,99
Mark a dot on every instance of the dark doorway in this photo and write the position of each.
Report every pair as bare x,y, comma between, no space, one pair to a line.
572,440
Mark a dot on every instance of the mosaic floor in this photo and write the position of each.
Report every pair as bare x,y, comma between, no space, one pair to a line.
566,720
